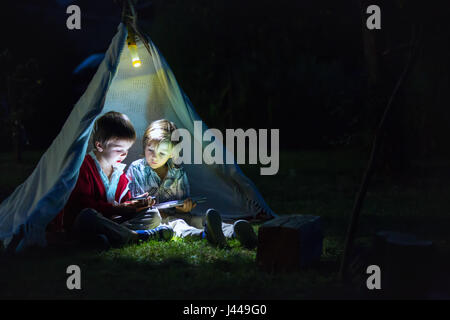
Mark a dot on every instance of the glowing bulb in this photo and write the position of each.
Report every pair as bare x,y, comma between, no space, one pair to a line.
131,40
137,63
135,60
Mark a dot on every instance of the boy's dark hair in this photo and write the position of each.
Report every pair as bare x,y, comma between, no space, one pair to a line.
113,125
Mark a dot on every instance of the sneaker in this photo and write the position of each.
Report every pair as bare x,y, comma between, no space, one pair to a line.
245,234
164,233
213,228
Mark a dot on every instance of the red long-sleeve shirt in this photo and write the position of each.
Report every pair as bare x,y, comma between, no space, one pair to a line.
89,192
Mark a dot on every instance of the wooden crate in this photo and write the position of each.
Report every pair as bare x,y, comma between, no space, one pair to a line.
289,242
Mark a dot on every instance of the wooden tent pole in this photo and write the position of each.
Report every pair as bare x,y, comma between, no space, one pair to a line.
370,166
129,17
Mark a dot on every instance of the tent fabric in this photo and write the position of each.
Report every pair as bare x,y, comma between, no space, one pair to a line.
90,62
144,94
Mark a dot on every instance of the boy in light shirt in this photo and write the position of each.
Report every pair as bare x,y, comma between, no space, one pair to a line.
157,175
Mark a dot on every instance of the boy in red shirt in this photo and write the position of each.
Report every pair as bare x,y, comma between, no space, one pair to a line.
101,194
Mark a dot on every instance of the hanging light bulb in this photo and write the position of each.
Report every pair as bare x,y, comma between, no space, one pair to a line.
131,41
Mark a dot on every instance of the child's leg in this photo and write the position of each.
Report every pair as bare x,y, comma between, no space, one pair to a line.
242,230
212,230
89,223
183,230
162,232
192,220
228,230
144,221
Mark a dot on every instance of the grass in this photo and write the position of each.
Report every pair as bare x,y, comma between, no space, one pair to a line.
155,270
322,183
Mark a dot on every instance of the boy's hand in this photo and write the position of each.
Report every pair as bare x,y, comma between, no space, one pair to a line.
131,208
147,202
188,205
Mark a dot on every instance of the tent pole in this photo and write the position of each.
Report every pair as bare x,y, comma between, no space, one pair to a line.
129,17
343,276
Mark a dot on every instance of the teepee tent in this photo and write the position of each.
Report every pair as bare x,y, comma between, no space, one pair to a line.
144,94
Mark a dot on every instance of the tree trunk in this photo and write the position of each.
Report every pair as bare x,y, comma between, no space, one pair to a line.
379,134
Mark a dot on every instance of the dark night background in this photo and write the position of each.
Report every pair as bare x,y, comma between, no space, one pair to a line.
300,66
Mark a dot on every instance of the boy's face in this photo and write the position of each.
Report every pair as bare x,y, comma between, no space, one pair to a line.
156,154
114,151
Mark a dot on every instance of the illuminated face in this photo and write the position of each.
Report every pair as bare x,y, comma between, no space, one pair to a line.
157,155
114,151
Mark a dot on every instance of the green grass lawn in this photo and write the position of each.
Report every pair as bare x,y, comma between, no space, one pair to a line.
321,183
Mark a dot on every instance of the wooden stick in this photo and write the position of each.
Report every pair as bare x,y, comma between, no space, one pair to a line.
131,21
370,167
